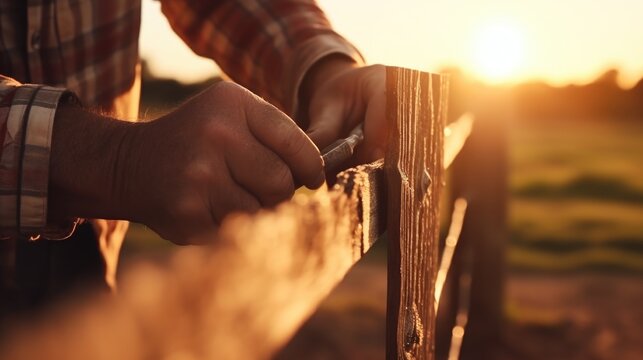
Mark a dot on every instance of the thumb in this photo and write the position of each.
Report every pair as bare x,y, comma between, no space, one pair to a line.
325,123
375,129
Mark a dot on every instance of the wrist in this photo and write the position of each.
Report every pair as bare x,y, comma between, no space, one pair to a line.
88,165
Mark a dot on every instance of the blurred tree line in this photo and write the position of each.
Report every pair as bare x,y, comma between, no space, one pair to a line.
159,95
601,99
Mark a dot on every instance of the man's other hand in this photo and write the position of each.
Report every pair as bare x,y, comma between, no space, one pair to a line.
338,95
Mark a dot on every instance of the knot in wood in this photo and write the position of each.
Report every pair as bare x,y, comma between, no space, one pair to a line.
424,185
413,328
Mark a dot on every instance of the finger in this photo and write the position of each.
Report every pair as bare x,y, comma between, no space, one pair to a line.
261,172
231,198
280,134
326,121
375,129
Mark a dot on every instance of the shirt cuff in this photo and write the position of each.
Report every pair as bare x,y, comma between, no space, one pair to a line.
305,56
25,163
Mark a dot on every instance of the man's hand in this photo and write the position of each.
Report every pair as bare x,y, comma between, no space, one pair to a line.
225,150
337,95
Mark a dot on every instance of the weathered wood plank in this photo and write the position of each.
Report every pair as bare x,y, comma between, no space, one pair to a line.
241,299
416,109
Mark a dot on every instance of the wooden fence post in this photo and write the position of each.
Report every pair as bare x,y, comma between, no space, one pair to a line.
480,176
416,110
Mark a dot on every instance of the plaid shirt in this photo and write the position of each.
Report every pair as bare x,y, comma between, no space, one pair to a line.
90,48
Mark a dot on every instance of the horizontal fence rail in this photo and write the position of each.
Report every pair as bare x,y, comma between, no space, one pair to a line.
450,244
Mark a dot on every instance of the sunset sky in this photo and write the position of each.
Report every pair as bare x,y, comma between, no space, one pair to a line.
498,41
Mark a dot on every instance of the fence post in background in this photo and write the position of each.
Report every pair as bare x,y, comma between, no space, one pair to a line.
416,111
480,176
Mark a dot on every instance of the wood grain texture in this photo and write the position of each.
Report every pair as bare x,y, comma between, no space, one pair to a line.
241,299
416,111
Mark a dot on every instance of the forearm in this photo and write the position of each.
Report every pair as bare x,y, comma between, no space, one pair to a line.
89,165
269,63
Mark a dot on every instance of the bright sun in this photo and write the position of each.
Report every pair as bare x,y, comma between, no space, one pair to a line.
499,50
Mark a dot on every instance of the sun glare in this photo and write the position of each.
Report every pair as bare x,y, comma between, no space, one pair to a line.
498,51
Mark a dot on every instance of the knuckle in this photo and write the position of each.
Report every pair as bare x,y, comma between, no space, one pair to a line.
225,88
219,131
231,96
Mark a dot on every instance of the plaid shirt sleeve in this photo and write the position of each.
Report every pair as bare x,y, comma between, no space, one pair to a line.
26,121
265,45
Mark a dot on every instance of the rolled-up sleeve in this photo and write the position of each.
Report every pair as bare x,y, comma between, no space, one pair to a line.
26,123
265,45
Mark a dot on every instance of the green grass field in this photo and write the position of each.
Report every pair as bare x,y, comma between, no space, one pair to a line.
576,195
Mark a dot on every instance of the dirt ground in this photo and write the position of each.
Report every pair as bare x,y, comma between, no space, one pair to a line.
575,316
549,316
